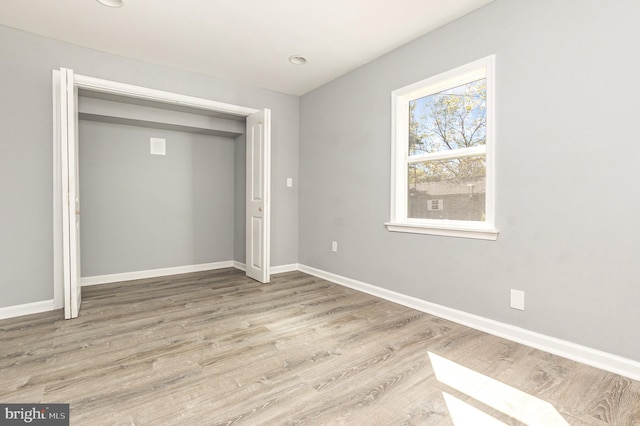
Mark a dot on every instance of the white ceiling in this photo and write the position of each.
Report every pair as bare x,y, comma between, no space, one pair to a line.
248,41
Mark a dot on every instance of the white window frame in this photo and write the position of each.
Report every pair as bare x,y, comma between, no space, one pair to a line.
400,99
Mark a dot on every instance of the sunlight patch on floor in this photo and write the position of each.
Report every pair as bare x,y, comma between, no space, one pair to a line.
497,395
464,414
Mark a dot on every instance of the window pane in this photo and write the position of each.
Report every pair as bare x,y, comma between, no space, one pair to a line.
448,189
452,119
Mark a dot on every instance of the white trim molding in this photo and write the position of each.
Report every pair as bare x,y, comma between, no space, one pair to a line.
274,269
26,309
239,265
152,273
146,93
461,232
280,269
402,158
58,286
583,354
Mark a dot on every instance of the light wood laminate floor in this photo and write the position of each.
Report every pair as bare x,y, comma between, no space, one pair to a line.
217,348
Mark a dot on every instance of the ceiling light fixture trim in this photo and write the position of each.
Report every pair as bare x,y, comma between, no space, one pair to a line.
297,59
111,3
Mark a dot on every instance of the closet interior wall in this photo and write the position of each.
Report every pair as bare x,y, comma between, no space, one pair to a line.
143,211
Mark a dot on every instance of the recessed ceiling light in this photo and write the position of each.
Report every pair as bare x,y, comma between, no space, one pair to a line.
297,59
111,3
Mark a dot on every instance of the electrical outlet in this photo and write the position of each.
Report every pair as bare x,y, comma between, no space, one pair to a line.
517,299
334,246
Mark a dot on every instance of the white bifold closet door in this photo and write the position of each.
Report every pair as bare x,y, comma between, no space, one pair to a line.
70,193
258,195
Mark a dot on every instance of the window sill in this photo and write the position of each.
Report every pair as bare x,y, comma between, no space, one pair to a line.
443,230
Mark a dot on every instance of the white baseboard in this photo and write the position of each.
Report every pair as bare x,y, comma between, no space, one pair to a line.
274,269
151,273
136,275
285,268
26,309
586,355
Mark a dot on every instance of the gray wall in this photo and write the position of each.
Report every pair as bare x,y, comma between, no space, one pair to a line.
240,180
566,109
26,153
566,163
142,211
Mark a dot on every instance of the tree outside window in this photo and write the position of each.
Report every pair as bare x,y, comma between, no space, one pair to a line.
448,122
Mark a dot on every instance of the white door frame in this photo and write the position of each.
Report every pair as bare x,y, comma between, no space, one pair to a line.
70,194
127,90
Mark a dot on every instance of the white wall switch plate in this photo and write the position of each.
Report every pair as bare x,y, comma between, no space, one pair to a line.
517,299
289,182
334,246
158,146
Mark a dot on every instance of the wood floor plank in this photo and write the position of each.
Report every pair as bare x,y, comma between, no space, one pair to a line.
215,347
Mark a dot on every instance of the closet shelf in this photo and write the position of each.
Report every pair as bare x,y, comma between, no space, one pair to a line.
106,111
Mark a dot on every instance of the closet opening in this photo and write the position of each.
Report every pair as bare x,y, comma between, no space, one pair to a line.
147,156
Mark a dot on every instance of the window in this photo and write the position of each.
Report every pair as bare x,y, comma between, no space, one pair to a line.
443,147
